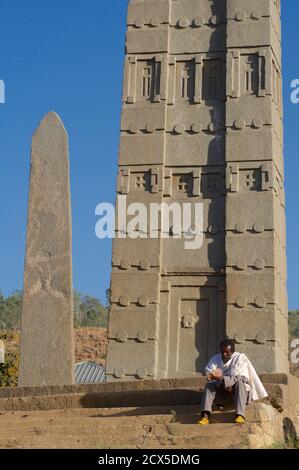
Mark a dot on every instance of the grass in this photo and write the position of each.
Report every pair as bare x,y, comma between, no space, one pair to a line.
288,444
173,414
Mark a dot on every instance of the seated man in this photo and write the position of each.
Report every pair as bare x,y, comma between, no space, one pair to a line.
233,371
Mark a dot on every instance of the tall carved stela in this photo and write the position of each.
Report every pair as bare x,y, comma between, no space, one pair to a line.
201,122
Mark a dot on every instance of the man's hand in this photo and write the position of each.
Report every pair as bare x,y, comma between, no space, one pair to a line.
220,378
217,374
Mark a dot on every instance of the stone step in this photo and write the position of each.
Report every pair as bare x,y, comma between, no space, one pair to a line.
148,415
197,442
91,439
76,442
119,421
153,429
125,441
148,427
164,392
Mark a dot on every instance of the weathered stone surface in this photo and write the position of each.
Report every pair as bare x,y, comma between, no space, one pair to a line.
140,253
135,356
140,9
141,324
150,427
46,350
135,286
147,40
209,258
136,149
211,149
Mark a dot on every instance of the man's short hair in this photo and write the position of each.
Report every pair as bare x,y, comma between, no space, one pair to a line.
226,343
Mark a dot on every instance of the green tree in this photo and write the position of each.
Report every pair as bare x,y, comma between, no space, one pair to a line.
294,324
89,312
9,370
10,311
108,291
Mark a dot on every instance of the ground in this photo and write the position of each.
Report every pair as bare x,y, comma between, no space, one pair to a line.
91,344
160,427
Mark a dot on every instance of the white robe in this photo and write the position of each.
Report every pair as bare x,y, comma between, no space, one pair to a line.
239,364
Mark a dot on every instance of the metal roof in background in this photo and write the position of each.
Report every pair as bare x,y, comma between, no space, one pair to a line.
89,373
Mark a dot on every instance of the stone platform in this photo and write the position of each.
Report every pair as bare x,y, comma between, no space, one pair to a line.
145,414
163,427
283,390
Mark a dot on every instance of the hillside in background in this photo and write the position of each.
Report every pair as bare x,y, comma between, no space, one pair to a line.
88,311
90,344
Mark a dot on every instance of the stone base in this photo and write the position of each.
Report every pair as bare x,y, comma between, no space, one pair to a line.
164,427
145,414
283,390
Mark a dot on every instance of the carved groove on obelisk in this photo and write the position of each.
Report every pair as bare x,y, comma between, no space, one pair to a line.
47,346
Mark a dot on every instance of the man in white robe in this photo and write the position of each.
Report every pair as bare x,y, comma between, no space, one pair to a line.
233,371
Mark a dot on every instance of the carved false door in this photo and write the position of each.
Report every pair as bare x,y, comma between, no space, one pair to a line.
196,326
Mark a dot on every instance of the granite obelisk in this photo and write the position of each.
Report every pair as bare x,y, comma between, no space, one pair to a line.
47,346
201,123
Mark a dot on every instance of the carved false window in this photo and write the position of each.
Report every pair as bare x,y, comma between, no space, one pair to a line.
251,79
213,82
149,72
212,79
183,184
185,81
251,180
142,181
211,183
147,80
252,74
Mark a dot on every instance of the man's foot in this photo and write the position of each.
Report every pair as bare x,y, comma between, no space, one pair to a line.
204,420
240,419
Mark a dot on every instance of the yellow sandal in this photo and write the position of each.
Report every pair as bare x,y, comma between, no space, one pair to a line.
240,419
204,421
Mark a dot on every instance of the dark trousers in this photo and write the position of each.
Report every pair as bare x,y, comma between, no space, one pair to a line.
240,394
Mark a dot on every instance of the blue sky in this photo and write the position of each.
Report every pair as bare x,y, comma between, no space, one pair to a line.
67,56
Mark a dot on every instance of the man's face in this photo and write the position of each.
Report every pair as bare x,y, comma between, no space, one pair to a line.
226,353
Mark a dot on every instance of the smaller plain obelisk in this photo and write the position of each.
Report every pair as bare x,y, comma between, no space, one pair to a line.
47,344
